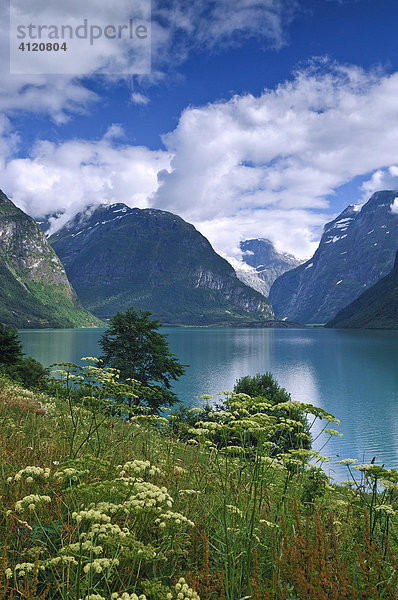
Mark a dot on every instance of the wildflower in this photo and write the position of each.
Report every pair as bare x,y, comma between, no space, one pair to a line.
184,592
100,564
31,473
386,509
91,515
31,502
8,573
234,509
170,517
346,461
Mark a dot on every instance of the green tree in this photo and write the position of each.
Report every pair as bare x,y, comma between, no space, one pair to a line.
10,346
26,370
262,385
133,345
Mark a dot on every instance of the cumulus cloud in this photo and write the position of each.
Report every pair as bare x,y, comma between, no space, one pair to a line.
252,166
73,175
267,164
382,179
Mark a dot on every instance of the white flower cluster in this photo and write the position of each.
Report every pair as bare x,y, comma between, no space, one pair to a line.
100,564
179,470
91,515
175,518
21,569
234,510
108,529
70,474
184,592
59,560
30,473
127,596
30,502
138,467
82,547
148,495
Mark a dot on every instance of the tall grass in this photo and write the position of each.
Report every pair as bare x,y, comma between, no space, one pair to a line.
94,506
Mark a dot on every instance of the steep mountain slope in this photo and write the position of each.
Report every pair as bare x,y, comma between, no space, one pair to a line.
377,308
117,256
248,275
268,263
356,250
34,290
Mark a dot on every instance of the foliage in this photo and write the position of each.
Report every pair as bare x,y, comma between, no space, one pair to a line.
133,513
264,385
259,397
27,371
133,345
10,346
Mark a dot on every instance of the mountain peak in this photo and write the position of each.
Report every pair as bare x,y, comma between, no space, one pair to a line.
357,248
260,253
117,256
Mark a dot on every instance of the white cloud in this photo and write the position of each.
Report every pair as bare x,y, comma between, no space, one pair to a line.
72,175
394,205
180,27
138,98
177,29
264,166
382,179
248,167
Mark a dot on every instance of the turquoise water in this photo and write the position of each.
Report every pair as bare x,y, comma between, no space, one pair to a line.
352,374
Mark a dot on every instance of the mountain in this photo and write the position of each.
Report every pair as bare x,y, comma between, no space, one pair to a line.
261,255
34,291
116,256
248,275
356,250
376,308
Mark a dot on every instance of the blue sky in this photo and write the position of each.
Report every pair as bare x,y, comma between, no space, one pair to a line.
259,119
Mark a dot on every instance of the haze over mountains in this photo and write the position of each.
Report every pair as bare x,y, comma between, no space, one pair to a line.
116,256
356,250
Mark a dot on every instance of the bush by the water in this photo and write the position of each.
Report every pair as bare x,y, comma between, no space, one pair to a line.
13,363
95,507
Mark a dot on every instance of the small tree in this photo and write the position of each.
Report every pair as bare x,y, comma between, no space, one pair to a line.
264,385
10,346
133,345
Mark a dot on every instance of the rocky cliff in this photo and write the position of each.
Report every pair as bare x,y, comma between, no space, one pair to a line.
356,250
34,290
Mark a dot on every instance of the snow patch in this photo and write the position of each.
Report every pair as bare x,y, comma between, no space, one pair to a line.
336,238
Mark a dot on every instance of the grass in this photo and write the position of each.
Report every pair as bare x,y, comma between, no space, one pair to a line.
94,507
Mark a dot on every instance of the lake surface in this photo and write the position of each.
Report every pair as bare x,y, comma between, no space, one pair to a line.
352,374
